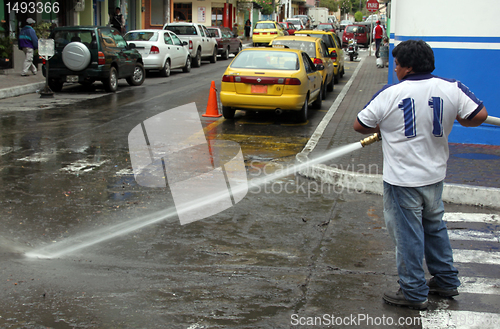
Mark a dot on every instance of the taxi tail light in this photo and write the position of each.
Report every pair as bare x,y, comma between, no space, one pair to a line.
263,80
256,33
154,50
292,81
101,59
273,32
190,45
318,61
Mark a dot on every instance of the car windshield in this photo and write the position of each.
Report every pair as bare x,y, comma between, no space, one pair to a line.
345,22
215,32
354,29
182,29
62,38
271,60
265,26
305,46
141,36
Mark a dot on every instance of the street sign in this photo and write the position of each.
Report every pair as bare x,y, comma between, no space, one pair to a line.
46,48
372,5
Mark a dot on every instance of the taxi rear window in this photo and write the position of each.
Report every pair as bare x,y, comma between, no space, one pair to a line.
265,26
271,60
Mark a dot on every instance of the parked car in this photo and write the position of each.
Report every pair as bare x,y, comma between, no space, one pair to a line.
344,23
201,45
271,79
86,54
265,31
161,50
329,27
317,51
335,50
297,22
227,42
289,27
362,35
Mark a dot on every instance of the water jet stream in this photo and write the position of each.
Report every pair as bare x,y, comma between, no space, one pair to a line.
82,241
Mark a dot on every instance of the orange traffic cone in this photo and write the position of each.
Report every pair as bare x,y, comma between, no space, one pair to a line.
212,108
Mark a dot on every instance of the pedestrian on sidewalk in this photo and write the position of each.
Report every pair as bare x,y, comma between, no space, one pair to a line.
118,21
378,36
414,118
248,27
28,42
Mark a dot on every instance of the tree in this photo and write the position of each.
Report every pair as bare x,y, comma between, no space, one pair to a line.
345,6
332,5
358,16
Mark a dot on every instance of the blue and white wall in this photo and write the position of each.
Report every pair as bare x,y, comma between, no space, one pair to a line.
465,37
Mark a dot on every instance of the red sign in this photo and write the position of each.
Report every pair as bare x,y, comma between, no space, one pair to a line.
372,5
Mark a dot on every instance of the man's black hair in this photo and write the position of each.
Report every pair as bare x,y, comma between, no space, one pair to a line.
118,8
415,54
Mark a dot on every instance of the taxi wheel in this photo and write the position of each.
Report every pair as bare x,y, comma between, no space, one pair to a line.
302,114
319,100
325,88
228,112
335,79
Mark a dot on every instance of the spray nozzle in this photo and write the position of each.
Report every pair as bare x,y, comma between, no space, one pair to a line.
371,139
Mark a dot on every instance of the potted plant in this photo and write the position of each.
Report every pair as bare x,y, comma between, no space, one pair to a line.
6,48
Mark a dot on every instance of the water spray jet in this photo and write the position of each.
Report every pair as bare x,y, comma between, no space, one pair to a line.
82,241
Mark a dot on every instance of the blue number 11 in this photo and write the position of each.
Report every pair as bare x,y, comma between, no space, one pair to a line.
408,107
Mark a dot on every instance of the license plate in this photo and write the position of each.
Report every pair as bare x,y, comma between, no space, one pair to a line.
72,78
259,89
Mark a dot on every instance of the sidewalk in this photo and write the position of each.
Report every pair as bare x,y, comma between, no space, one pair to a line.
473,175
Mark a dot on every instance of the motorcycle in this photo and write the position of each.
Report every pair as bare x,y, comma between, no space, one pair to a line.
352,48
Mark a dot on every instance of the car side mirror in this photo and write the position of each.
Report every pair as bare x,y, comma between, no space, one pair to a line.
131,46
333,54
320,67
184,43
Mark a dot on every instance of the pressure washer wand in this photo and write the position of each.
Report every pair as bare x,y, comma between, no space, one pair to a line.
492,120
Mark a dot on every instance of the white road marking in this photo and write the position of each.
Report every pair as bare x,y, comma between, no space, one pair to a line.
470,235
472,218
476,256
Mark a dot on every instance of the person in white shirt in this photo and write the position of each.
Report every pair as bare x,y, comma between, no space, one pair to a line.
414,118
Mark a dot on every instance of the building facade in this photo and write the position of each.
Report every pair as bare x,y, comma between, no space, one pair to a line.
466,45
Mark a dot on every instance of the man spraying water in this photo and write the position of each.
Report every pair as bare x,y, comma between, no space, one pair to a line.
415,117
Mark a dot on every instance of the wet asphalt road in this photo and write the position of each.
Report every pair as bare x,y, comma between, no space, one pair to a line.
290,249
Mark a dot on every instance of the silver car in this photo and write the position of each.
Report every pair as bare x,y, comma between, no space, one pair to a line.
161,50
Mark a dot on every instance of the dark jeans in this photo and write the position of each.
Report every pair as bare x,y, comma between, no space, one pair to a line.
377,47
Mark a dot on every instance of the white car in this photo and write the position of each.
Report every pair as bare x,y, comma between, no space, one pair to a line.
161,50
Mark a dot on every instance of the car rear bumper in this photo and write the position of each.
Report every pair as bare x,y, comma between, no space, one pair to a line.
252,102
101,72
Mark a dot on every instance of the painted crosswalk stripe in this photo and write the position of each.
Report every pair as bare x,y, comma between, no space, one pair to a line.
441,319
476,256
473,218
493,236
476,285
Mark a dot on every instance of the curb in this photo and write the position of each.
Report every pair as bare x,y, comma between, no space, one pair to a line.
452,193
21,90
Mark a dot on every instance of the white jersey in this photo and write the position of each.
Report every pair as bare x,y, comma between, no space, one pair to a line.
415,117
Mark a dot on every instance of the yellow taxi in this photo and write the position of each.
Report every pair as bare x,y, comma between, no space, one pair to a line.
317,50
271,79
265,31
334,45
